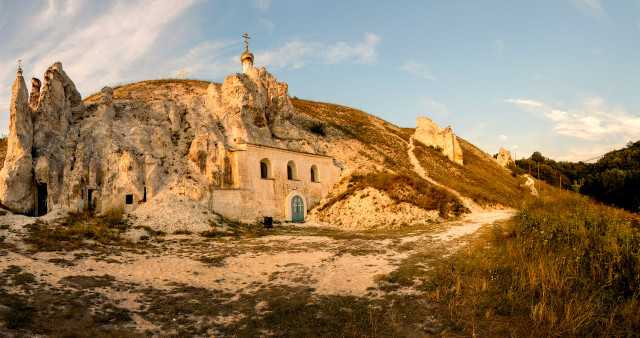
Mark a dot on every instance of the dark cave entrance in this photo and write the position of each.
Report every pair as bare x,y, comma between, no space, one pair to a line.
41,193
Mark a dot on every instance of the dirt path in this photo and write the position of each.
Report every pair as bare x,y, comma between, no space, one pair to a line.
531,185
468,203
312,261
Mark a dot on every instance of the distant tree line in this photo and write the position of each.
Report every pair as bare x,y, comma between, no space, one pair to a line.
614,179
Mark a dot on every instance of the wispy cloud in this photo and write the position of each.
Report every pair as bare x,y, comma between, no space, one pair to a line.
208,60
432,107
592,8
262,5
125,32
298,53
499,46
97,43
593,120
416,68
503,137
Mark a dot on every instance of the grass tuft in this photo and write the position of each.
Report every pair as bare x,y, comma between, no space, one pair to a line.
563,265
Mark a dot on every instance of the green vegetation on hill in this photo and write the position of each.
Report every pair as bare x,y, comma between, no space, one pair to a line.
564,265
480,178
614,179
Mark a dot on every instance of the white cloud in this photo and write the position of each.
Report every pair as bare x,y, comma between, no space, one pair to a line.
416,68
591,8
268,24
97,42
262,5
432,107
297,53
576,154
207,60
593,120
106,48
499,46
503,137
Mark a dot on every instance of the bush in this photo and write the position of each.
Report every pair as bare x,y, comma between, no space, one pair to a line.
69,232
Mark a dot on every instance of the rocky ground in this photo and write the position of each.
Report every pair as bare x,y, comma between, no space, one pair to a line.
293,279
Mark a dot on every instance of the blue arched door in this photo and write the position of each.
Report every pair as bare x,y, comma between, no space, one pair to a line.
297,209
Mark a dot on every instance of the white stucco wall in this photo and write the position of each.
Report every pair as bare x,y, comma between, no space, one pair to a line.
256,197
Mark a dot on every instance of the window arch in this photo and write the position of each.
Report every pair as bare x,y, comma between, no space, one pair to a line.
265,169
314,174
292,171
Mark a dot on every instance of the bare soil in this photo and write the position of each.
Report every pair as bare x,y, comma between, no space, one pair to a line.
295,279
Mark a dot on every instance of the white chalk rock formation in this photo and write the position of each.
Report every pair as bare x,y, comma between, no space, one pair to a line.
118,153
431,134
16,177
253,107
504,157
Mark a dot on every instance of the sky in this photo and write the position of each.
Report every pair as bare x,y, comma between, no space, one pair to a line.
560,77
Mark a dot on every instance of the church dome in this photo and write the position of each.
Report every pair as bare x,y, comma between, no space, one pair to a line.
246,56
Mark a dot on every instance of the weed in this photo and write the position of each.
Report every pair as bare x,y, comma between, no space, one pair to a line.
563,265
70,232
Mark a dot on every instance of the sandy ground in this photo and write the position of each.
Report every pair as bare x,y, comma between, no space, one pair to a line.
327,260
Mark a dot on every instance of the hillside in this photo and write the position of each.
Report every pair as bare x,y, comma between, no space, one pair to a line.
379,256
373,153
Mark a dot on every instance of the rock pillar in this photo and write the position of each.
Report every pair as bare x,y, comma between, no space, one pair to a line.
17,191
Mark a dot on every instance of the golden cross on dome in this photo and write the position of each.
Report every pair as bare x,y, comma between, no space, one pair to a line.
182,72
246,41
20,67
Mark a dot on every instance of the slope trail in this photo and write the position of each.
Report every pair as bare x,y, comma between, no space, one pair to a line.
468,203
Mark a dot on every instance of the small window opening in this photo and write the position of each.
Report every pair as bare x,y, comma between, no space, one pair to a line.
292,171
314,174
129,199
265,168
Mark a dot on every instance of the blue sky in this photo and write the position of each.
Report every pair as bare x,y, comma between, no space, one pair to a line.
559,77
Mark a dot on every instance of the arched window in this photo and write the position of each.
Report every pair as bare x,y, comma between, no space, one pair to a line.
292,171
265,168
314,174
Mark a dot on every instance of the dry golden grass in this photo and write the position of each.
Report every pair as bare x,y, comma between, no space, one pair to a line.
480,178
148,90
563,265
388,144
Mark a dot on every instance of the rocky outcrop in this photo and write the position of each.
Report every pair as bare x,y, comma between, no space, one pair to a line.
118,153
431,134
253,107
504,157
17,190
34,97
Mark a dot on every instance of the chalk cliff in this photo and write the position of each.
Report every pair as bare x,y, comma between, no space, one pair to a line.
431,134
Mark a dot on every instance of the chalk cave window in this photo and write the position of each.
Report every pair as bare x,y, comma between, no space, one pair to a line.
314,174
129,199
292,171
265,168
